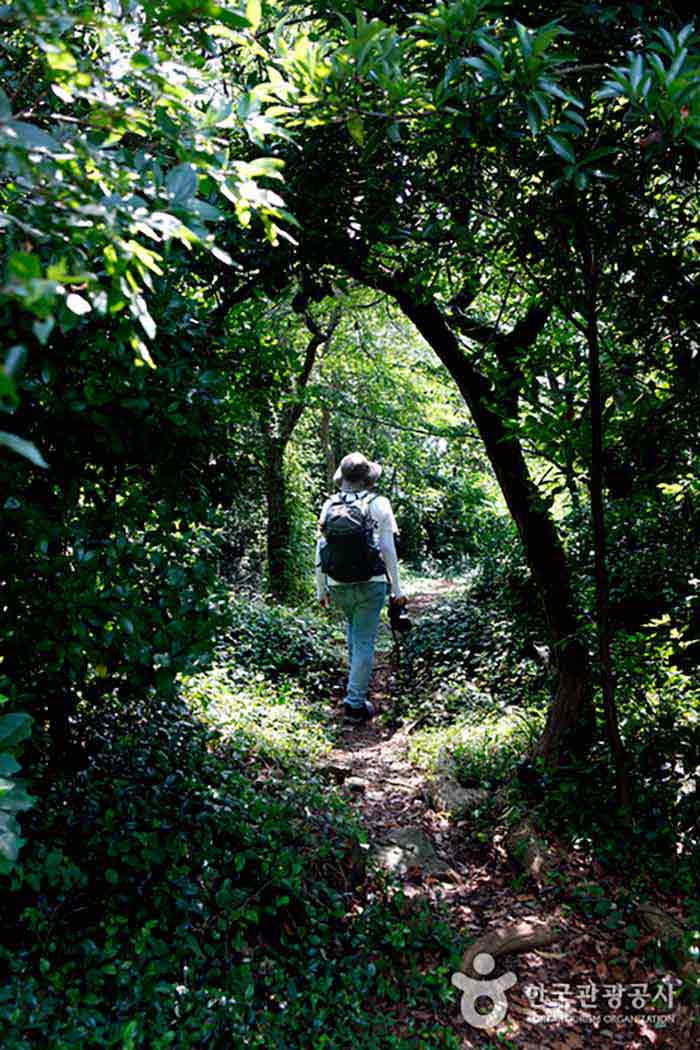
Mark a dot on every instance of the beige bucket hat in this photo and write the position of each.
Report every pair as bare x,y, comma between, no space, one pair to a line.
357,469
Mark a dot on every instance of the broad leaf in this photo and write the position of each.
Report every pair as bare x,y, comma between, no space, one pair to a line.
22,448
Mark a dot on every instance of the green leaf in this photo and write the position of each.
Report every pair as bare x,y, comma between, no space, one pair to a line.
221,255
139,310
244,105
8,765
266,167
492,49
685,33
610,89
22,448
562,147
524,38
553,89
181,183
636,72
597,154
62,61
677,65
667,39
570,114
658,65
533,118
77,305
480,65
356,127
453,69
547,35
42,329
13,798
24,266
14,728
253,12
31,136
10,841
543,103
231,19
9,399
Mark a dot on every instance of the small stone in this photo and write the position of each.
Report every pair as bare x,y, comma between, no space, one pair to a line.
450,797
409,848
356,784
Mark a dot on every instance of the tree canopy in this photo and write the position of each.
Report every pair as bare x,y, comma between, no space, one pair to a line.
241,239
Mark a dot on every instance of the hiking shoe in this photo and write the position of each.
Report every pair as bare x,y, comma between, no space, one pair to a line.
358,714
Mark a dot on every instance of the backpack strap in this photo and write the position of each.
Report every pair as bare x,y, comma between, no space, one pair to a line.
370,501
333,500
340,498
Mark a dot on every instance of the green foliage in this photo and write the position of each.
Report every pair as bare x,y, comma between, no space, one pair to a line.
122,151
380,390
132,606
485,742
187,890
662,83
263,690
191,884
299,586
93,216
660,725
14,729
276,641
181,131
479,643
276,719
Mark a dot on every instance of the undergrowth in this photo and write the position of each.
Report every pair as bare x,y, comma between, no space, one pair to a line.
199,884
481,690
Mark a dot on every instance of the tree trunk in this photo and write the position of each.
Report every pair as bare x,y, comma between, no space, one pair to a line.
327,447
607,677
570,724
278,523
277,434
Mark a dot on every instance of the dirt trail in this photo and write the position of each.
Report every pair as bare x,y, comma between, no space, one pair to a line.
473,880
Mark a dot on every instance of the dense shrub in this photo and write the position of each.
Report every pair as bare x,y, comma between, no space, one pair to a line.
659,707
485,742
118,602
482,639
276,719
14,798
277,641
182,893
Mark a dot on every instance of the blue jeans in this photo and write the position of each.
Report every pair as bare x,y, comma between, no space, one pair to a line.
362,604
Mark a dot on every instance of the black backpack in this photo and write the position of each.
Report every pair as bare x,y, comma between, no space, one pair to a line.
350,554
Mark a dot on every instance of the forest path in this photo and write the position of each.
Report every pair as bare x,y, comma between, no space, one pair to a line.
433,857
372,759
466,873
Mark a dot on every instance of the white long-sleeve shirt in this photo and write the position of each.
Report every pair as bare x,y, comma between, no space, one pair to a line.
385,528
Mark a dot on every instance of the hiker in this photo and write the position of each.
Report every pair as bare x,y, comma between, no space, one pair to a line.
356,568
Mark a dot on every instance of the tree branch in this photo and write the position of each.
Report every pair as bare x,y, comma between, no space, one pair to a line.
318,338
